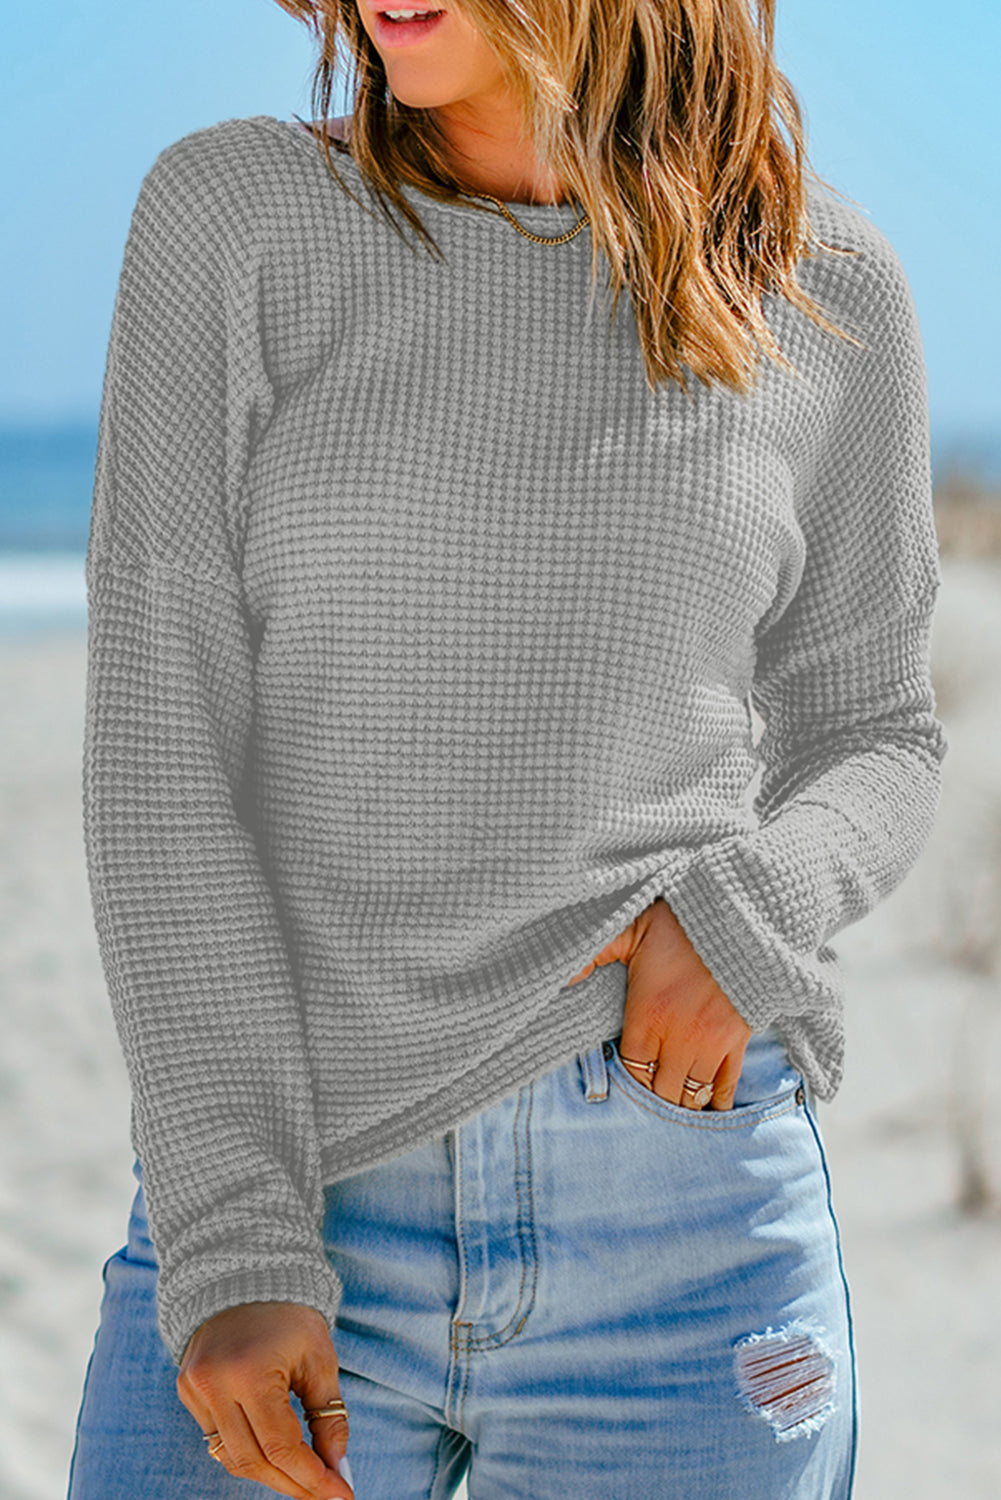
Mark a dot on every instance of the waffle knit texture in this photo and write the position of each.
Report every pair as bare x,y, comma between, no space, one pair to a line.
423,641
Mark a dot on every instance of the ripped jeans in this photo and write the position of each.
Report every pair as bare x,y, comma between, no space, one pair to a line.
581,1292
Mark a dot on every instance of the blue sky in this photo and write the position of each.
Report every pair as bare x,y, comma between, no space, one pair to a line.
899,110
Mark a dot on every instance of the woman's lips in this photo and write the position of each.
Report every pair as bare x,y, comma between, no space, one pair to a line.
405,33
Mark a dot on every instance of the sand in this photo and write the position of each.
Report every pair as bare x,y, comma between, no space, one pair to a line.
924,1028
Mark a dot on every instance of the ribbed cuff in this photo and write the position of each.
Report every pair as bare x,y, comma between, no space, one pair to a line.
747,955
310,1284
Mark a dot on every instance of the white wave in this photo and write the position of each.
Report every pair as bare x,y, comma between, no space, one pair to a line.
38,588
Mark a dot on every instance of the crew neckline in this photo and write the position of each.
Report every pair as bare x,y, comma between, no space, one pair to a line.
542,218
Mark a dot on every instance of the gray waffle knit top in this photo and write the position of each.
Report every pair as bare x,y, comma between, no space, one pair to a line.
423,642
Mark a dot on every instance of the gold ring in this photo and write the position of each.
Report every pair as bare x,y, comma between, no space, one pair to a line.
701,1092
332,1409
214,1452
649,1068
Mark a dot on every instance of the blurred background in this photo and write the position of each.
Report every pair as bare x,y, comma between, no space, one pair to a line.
901,115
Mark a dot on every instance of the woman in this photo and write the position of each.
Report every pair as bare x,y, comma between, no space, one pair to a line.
473,1000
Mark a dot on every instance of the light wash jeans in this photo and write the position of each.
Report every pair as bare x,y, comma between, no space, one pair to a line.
583,1293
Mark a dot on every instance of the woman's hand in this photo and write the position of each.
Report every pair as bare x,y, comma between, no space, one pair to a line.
675,1013
235,1378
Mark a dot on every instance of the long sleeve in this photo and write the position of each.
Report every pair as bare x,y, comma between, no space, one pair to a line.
196,965
852,747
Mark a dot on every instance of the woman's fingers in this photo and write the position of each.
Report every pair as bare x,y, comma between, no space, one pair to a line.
706,1079
641,1044
678,1067
263,1440
728,1077
232,1443
687,1034
260,1444
236,1376
676,1081
278,1447
318,1389
676,1015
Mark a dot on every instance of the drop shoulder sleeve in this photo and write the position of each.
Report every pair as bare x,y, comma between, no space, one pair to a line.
852,747
197,971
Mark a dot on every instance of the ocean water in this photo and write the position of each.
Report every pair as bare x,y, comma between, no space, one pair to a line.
46,486
42,591
46,483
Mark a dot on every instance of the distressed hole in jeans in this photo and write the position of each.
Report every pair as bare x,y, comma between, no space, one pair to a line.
787,1377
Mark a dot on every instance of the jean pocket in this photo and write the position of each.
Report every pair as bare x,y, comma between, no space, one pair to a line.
772,1088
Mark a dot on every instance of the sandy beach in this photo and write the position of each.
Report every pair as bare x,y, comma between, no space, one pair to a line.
924,984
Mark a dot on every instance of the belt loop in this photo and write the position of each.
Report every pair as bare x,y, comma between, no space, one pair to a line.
594,1073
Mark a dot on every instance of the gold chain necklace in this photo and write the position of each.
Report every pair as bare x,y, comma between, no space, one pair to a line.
539,239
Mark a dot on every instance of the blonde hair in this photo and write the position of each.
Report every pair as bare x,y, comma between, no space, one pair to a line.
661,118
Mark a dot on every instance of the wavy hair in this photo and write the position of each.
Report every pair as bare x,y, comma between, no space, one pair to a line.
663,119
